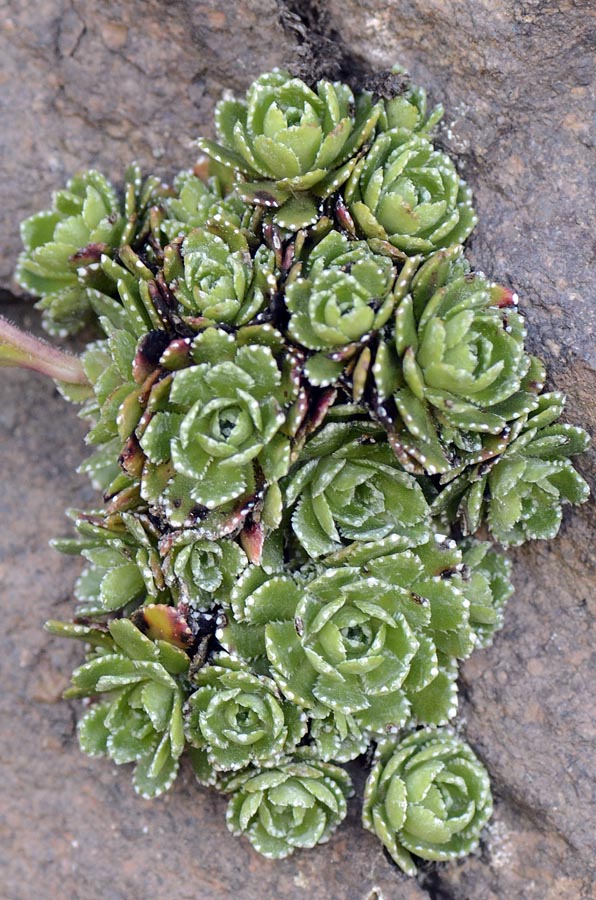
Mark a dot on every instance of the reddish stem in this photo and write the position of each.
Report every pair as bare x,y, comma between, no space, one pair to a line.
19,348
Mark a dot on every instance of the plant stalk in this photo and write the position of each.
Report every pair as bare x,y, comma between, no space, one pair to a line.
19,348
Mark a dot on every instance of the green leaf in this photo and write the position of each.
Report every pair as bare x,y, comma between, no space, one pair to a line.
121,586
92,731
322,371
150,785
299,211
132,641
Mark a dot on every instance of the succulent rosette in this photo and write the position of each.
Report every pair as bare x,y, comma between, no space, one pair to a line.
127,372
406,192
348,486
428,578
354,651
456,593
64,245
343,294
335,736
521,492
235,719
304,409
221,421
462,374
286,139
114,409
342,646
221,281
199,571
297,804
171,410
487,586
197,203
408,111
123,570
362,657
141,722
258,597
427,795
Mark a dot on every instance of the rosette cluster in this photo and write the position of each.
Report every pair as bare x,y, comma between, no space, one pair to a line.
406,192
304,405
430,797
63,245
140,720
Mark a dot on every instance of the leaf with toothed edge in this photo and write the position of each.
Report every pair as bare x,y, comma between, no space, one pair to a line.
305,409
426,795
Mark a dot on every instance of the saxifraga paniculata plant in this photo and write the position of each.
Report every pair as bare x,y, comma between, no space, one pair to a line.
307,414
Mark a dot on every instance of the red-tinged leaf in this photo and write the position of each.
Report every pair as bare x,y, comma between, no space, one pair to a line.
273,239
377,245
177,354
197,323
252,538
344,218
318,408
129,498
409,464
148,355
503,297
132,457
164,301
201,168
346,353
164,623
92,253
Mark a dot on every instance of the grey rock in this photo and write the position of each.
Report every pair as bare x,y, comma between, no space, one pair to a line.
101,84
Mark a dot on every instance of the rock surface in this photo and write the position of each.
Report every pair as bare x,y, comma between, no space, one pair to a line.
85,83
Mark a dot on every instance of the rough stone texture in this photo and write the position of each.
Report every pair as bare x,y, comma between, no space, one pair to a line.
85,83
